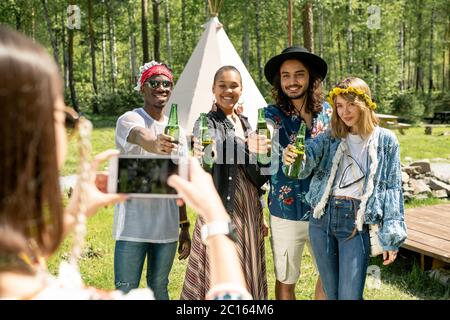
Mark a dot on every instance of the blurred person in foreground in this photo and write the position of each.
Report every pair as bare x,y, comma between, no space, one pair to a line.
33,221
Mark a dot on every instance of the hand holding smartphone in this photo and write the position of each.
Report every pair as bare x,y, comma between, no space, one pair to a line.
199,192
145,176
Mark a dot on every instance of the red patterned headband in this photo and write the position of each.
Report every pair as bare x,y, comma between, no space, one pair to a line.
159,69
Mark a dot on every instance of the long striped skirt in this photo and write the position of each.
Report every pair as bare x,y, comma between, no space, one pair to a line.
248,221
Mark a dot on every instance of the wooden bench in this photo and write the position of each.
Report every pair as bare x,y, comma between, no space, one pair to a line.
391,122
429,235
439,116
400,126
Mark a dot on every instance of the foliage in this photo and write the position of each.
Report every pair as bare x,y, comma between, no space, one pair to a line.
117,103
408,106
391,59
440,102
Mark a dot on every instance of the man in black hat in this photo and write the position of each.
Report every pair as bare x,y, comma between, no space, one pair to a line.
296,77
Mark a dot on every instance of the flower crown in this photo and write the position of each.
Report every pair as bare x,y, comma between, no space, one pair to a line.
338,91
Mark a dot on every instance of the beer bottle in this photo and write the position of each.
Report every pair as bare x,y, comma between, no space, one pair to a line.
172,129
261,129
205,140
293,170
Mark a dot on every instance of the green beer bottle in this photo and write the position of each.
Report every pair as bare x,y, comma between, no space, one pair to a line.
172,129
293,170
205,140
261,129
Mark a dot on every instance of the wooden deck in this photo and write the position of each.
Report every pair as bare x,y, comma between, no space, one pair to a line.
429,234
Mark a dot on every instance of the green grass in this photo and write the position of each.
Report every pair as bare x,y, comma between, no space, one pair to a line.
401,281
414,143
424,202
102,139
417,145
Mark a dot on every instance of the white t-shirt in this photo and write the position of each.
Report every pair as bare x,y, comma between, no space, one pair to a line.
353,167
145,220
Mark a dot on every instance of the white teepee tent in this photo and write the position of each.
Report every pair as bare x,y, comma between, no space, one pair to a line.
193,90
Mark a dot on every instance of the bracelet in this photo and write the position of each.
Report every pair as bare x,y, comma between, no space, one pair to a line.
185,223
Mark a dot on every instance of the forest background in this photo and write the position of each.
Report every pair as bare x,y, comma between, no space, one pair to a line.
400,47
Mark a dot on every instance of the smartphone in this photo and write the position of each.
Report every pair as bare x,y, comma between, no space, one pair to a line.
146,176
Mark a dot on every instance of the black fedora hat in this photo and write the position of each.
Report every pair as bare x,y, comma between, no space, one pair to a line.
298,53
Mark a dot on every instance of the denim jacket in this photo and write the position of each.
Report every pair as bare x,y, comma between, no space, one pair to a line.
382,200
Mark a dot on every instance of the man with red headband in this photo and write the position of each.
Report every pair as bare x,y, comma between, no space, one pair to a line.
149,227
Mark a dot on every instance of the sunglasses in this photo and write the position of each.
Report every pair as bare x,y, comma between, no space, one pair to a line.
156,83
72,121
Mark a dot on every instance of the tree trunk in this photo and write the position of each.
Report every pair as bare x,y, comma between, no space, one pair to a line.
131,20
73,94
56,31
156,30
144,17
333,56
258,41
103,52
65,52
51,33
443,70
349,33
183,30
419,67
447,40
289,26
409,76
341,66
92,51
446,57
18,15
430,66
33,22
168,35
321,31
308,27
112,45
402,57
371,62
246,37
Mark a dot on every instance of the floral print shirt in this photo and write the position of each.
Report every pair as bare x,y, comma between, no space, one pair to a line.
286,198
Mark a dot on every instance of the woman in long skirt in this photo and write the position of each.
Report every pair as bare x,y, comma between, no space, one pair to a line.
239,186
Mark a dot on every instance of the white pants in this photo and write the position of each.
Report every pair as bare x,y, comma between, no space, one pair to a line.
288,238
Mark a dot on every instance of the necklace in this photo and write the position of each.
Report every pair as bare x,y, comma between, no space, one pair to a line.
36,282
233,118
299,112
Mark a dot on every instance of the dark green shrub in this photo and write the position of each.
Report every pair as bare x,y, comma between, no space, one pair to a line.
117,103
408,107
441,102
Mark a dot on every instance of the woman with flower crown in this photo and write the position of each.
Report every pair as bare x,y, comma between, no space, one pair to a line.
356,186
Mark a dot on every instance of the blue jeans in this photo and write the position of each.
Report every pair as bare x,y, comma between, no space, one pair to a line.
129,259
342,260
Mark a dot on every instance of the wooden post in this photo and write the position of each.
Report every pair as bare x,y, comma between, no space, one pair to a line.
290,9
